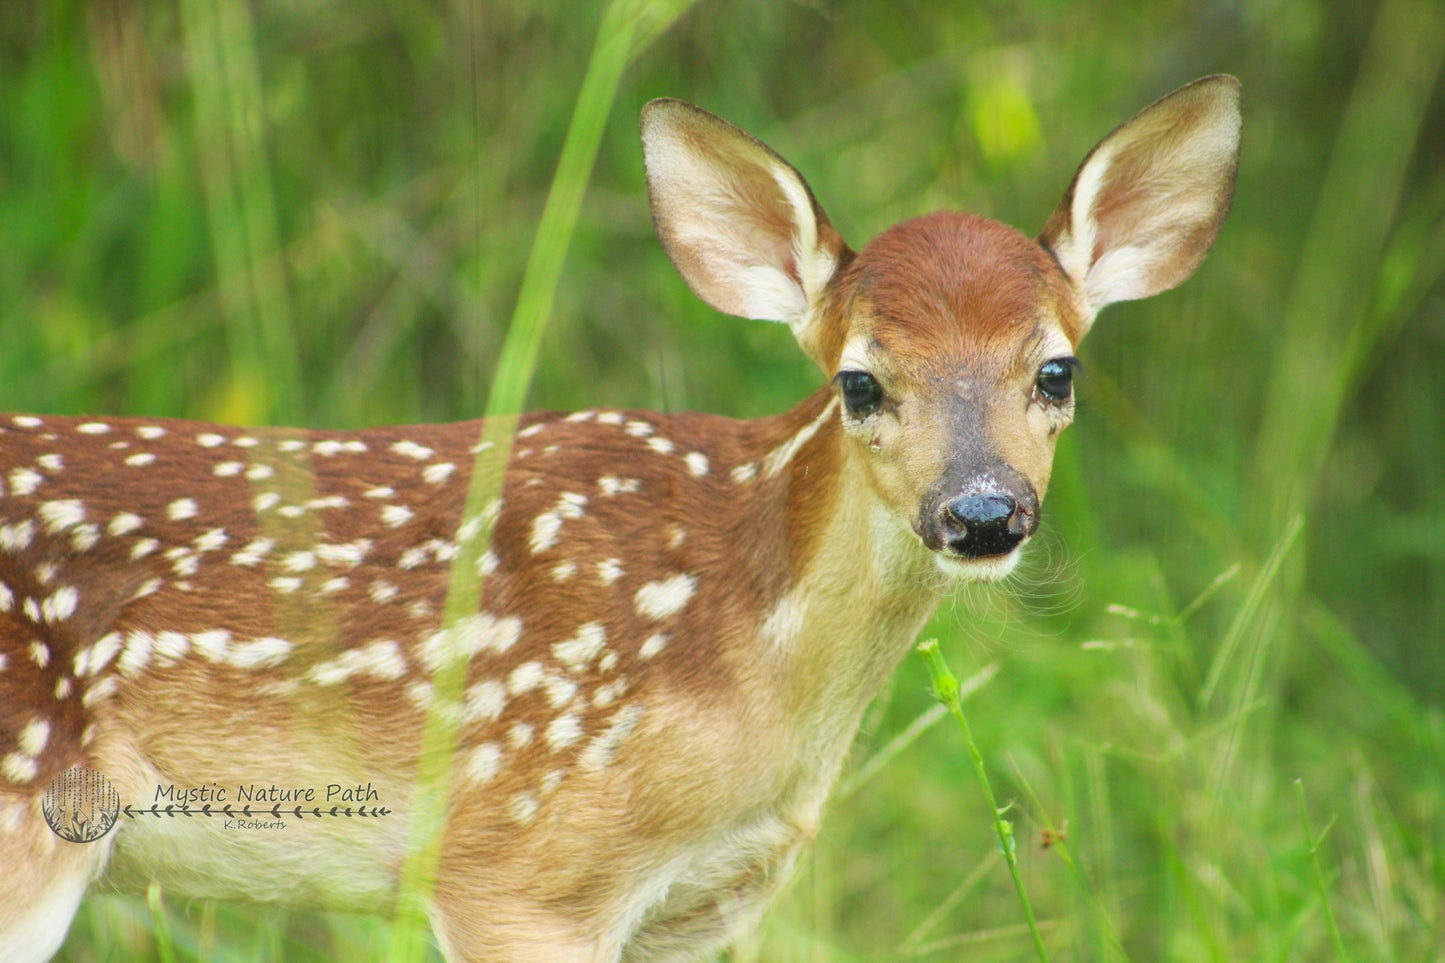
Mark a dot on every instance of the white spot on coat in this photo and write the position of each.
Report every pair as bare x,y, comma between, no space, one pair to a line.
380,659
395,515
18,767
659,600
34,736
214,644
347,553
24,481
124,524
546,526
524,678
105,649
254,551
618,486
299,562
85,536
17,536
171,646
519,734
579,651
607,694
182,508
563,731
483,762
137,653
60,605
485,701
211,540
412,450
60,515
470,635
259,653
600,751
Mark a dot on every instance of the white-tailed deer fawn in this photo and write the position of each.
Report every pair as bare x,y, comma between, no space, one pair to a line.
683,616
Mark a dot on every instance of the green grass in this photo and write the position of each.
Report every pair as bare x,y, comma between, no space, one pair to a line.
1219,675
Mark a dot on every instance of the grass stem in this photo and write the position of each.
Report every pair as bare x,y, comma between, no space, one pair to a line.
946,690
160,925
1319,875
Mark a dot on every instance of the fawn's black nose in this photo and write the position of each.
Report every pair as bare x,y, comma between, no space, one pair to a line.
976,526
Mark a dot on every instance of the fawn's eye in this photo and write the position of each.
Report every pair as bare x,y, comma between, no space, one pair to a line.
861,392
1056,379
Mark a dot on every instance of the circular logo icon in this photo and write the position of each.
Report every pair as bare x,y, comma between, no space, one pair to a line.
80,805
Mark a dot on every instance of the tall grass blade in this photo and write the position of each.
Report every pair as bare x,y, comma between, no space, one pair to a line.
1358,203
626,25
1248,611
265,376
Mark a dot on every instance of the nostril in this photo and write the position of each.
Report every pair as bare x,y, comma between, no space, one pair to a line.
980,525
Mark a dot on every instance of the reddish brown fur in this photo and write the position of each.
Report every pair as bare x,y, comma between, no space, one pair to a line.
958,287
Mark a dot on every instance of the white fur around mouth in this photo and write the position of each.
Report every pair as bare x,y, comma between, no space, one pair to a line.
992,569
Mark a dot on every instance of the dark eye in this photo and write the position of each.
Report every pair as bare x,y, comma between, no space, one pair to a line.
861,392
1056,379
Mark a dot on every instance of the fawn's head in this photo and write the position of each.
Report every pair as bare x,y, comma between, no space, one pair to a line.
949,338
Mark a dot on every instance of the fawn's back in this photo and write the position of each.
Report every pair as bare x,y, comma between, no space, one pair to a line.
681,617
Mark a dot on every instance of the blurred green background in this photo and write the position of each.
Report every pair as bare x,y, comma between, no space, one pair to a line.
1229,639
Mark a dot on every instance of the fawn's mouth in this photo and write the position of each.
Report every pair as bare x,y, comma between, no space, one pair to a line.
991,568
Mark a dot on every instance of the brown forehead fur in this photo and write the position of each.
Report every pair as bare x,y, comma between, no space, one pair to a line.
950,285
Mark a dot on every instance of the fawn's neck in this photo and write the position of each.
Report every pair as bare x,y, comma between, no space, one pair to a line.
857,587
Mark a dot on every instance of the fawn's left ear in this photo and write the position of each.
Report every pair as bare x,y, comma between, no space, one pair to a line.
1149,200
738,221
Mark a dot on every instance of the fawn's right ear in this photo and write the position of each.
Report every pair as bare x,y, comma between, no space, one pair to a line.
738,221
